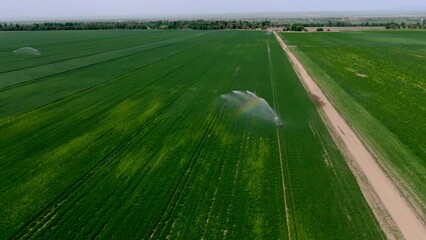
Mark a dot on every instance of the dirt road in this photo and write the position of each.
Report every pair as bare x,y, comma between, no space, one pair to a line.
396,206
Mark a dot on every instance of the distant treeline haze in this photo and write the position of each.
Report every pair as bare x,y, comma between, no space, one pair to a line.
199,25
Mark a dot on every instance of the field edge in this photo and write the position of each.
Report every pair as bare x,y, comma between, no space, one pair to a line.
368,128
388,225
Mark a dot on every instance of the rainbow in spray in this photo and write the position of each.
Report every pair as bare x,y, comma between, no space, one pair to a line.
248,103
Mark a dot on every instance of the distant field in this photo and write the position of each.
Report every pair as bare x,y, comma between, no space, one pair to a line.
123,134
378,80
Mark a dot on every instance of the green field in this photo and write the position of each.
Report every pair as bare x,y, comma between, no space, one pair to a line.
123,134
378,81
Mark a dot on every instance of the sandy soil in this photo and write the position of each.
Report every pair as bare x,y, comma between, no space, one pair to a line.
368,169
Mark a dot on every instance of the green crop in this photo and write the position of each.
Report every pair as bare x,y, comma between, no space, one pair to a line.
378,81
123,134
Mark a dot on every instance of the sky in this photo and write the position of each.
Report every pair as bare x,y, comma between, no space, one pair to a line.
64,9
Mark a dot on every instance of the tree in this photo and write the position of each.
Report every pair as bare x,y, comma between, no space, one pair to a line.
297,28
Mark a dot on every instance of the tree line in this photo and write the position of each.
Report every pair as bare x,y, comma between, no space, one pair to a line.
390,25
197,25
403,25
181,24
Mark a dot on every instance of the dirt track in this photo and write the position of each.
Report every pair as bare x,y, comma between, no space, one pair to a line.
391,200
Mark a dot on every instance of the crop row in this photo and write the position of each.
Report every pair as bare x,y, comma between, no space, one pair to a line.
377,81
144,147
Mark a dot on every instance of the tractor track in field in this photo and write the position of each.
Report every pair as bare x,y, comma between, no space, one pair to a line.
47,217
177,193
42,57
172,204
41,46
212,203
228,215
32,81
130,187
213,199
181,98
186,94
48,128
179,39
281,152
80,113
134,185
364,165
47,213
5,124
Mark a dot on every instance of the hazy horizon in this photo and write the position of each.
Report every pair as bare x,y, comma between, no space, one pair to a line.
50,9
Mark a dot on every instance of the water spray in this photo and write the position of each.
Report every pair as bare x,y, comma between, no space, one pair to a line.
249,103
27,51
